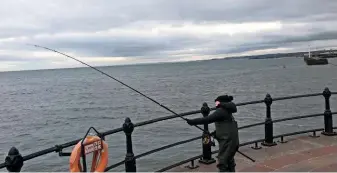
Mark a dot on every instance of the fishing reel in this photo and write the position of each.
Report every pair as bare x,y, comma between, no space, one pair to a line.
213,143
210,138
212,135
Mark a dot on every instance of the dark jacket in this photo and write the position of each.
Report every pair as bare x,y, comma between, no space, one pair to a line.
226,127
222,113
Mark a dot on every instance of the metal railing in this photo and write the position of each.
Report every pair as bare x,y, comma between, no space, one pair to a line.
14,160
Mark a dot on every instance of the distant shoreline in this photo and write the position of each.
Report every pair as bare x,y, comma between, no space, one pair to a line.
253,57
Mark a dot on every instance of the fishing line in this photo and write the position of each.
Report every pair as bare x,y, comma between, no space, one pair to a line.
117,81
130,88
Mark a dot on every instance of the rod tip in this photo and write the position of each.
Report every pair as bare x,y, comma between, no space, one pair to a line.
32,44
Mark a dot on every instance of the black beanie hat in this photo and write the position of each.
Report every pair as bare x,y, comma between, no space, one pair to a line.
224,98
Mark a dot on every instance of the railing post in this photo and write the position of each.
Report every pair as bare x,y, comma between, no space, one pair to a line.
14,160
328,127
206,139
130,161
268,127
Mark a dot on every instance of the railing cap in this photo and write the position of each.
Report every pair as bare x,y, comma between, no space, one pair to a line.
128,126
14,160
268,100
205,110
326,92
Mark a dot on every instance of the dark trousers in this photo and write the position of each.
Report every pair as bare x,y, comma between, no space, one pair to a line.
227,150
229,167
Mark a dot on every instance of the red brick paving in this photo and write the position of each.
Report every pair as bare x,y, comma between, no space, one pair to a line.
320,151
299,154
282,161
312,165
257,168
329,168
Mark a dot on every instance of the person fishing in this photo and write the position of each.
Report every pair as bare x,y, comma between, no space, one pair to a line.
226,131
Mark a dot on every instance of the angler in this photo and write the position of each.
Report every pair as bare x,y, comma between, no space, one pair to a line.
226,131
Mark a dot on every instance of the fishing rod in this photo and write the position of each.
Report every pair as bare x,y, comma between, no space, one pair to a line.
115,80
131,89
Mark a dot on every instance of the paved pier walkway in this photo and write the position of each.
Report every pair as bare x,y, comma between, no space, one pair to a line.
299,154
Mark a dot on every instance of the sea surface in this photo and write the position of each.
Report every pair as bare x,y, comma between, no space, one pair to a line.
42,108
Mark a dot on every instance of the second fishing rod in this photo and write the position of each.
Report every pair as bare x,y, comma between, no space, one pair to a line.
131,89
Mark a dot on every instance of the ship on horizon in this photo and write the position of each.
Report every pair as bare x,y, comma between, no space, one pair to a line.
315,59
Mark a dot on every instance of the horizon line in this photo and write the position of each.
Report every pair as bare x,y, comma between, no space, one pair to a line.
164,62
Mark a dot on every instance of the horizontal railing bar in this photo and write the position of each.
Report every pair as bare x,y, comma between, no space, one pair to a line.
154,150
297,96
250,103
286,119
110,132
298,132
298,117
114,165
251,125
166,118
301,117
167,146
243,144
179,163
39,153
248,143
151,121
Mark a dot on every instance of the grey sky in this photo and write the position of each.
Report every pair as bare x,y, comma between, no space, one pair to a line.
109,32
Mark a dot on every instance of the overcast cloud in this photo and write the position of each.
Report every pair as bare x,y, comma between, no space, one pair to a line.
111,32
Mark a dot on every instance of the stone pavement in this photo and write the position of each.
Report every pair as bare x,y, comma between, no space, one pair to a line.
299,154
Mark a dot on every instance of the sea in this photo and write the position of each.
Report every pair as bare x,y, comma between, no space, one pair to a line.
43,108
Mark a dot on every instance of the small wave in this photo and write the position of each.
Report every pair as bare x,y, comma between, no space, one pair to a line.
24,134
74,118
90,117
38,127
26,93
55,121
86,109
106,117
74,109
298,125
13,94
